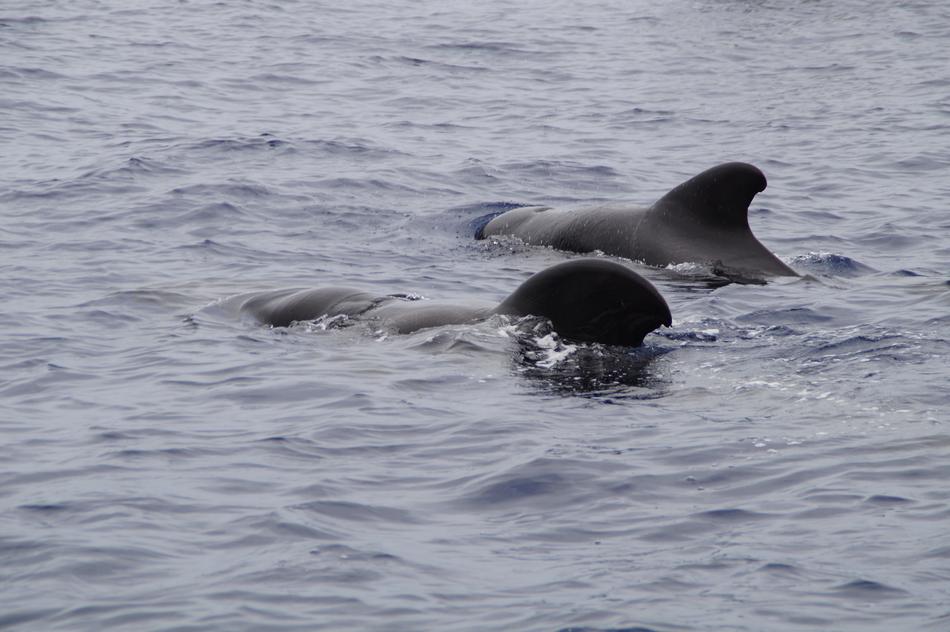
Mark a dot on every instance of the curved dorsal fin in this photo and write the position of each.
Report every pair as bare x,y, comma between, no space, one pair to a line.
591,300
719,196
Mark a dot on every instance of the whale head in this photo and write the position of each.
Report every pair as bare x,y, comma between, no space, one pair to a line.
591,300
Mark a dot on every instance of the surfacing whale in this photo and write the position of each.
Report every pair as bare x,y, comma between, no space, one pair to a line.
586,300
704,220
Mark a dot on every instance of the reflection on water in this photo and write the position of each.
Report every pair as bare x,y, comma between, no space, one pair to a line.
589,370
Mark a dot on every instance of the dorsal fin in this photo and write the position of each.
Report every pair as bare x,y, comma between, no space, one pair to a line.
719,196
591,300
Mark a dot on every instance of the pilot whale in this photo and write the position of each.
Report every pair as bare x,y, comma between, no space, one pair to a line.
704,220
586,300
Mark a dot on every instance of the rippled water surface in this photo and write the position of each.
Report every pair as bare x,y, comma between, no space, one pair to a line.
777,460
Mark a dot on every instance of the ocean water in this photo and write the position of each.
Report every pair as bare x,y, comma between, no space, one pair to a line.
777,460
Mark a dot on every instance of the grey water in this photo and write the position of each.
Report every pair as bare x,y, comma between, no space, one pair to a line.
776,460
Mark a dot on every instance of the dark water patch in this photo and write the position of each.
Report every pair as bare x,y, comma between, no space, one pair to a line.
881,500
572,175
30,73
37,106
164,455
296,390
90,511
112,435
210,247
286,79
338,572
516,489
548,168
437,67
46,508
538,483
105,318
206,214
942,552
241,542
263,142
356,555
476,173
892,237
355,512
780,570
47,191
277,529
831,498
345,603
490,47
229,486
100,564
134,167
18,617
237,190
9,545
146,299
880,347
372,185
865,589
120,618
27,555
930,161
731,515
53,380
294,448
789,316
642,116
361,148
32,20
624,629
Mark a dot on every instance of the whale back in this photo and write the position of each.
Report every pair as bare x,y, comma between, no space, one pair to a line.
591,300
281,308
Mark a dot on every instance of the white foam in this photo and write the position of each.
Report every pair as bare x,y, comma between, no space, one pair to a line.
553,351
325,322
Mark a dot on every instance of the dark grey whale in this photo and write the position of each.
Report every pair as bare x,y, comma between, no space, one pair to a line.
704,220
586,300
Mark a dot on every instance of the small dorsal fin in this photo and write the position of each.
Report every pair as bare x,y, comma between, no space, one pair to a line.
719,196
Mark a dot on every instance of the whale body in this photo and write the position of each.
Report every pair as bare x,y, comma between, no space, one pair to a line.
586,300
704,220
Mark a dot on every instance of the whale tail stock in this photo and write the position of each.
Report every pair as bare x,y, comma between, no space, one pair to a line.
591,300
